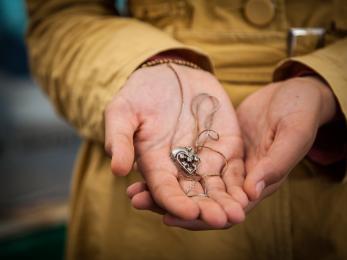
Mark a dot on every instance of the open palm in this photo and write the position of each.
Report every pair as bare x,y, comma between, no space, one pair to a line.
148,117
279,125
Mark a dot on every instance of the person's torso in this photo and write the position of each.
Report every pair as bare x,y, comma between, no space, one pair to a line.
244,38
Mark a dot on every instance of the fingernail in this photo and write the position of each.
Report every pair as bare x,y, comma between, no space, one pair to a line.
259,187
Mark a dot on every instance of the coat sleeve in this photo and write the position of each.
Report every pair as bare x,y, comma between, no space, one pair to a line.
81,53
330,63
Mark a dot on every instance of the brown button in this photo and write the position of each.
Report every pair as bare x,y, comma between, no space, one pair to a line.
259,12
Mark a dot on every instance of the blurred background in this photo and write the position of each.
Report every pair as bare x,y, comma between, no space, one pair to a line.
37,150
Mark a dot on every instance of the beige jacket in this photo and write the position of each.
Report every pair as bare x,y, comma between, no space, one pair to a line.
82,52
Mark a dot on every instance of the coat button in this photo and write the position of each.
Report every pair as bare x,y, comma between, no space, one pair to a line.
259,12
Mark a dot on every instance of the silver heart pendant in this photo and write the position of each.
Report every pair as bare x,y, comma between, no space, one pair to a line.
186,158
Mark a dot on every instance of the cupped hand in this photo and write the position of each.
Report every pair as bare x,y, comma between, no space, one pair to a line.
279,124
147,118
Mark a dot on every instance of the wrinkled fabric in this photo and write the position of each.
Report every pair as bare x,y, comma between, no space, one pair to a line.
82,52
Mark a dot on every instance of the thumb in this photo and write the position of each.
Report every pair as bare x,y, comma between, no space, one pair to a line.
120,126
290,145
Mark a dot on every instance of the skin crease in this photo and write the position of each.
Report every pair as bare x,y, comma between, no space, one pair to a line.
279,123
143,124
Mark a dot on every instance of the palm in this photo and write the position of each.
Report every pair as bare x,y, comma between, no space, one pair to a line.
279,124
148,108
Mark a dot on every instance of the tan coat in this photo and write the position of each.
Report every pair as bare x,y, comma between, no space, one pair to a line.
81,53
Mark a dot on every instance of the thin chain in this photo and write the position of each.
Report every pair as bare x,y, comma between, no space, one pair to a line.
198,142
182,101
195,108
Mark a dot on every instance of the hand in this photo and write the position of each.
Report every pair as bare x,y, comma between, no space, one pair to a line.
142,125
279,123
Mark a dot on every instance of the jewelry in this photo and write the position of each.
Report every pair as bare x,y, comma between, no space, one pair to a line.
211,175
160,61
221,154
187,158
204,195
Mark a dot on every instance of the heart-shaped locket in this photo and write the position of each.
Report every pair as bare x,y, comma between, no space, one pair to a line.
186,158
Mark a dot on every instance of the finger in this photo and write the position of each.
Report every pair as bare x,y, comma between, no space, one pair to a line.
233,177
232,208
289,147
210,211
215,157
136,188
161,179
141,198
193,225
144,201
120,125
214,165
266,192
215,187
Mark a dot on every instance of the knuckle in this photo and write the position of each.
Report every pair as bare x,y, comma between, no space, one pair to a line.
239,195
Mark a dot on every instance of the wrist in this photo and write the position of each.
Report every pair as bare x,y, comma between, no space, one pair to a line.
328,100
329,103
330,144
328,147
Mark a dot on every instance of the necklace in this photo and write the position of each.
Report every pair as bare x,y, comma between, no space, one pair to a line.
187,158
